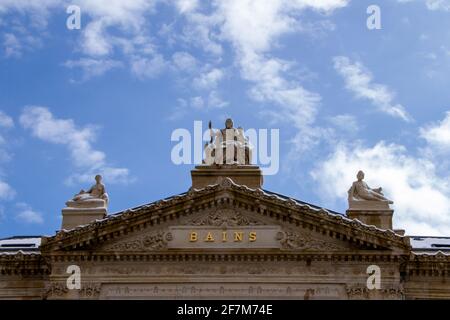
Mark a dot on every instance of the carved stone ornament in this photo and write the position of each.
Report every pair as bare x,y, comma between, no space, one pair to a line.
55,289
90,290
225,218
357,292
149,242
362,292
305,242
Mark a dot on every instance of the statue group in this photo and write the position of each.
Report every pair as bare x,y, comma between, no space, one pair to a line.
228,146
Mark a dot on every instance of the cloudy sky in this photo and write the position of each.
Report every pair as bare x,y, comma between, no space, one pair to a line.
107,97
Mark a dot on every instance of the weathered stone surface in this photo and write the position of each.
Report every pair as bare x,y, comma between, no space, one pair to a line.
378,218
248,175
74,217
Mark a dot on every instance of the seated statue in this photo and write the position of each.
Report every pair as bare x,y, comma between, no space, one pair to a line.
228,146
360,191
96,196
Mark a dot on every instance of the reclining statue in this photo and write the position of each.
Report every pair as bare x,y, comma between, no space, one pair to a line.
96,196
360,191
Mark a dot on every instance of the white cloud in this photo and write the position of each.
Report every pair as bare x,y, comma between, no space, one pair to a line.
359,80
43,125
125,18
211,101
254,25
421,196
6,121
438,5
109,27
27,215
208,79
345,122
197,102
110,174
12,45
95,42
6,191
215,101
438,135
185,6
253,28
204,80
184,61
433,5
148,68
16,39
200,32
93,67
38,11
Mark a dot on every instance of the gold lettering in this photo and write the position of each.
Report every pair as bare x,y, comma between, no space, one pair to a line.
194,237
252,236
224,236
238,236
209,237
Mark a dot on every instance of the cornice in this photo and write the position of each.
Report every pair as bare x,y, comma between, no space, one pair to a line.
23,264
229,256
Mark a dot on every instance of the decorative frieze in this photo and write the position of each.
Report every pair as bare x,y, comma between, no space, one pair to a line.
225,218
147,242
303,241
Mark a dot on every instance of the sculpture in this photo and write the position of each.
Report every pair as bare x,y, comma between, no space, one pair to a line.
228,146
86,206
360,191
95,196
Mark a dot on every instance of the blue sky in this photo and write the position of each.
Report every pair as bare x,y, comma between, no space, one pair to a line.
107,97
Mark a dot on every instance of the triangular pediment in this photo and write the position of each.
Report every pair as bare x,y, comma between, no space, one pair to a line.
225,228
226,216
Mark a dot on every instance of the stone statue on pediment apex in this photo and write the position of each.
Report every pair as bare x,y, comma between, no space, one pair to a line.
228,146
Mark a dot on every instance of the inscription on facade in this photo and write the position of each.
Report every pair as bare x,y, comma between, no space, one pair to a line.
220,290
253,237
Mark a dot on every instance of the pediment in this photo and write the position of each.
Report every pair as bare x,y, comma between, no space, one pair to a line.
225,229
281,224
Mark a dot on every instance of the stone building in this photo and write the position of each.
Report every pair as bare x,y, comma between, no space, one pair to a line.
226,237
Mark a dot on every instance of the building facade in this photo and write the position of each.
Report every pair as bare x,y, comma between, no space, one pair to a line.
226,238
